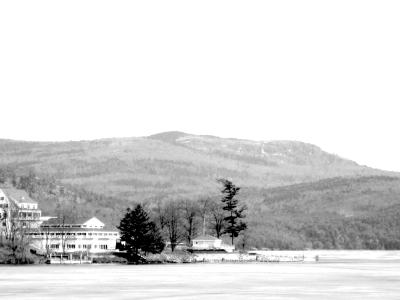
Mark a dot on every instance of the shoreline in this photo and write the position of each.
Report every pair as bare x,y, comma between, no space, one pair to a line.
250,257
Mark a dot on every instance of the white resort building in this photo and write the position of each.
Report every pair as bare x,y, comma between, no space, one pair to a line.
48,235
86,237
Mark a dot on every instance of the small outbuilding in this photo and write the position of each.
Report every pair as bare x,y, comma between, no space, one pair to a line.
203,242
209,242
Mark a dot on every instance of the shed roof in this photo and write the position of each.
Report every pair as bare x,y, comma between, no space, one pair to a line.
206,237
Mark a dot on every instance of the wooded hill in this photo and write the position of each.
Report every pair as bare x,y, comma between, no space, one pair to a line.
298,195
337,213
175,164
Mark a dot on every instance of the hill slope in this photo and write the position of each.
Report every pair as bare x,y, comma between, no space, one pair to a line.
175,163
339,213
336,213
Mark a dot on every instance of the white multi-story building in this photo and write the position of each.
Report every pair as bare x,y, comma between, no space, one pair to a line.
89,237
49,235
17,209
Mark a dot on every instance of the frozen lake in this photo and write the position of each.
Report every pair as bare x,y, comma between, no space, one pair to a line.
375,276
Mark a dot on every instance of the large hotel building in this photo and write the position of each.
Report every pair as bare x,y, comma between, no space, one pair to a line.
49,235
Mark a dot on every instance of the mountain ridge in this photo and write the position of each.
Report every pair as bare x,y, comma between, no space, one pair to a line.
298,195
176,164
177,138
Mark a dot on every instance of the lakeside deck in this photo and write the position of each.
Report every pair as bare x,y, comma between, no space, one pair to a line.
57,261
245,258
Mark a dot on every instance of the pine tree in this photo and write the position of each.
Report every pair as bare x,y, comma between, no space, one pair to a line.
234,224
140,234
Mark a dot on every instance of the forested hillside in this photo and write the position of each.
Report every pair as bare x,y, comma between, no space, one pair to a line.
175,164
298,196
338,213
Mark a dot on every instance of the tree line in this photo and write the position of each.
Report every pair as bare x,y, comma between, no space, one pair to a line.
147,229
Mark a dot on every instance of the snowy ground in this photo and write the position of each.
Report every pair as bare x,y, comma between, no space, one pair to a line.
376,276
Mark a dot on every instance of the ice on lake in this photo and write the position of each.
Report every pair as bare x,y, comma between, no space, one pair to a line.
338,275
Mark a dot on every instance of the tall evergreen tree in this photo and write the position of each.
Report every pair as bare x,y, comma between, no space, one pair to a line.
139,233
234,224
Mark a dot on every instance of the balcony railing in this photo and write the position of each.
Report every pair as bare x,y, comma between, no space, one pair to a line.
29,218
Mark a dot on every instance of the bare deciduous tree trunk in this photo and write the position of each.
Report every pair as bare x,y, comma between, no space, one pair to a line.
173,223
217,218
191,212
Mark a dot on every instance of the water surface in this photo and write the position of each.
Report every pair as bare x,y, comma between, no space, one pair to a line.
376,278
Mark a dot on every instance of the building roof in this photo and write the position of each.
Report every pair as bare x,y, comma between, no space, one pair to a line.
94,222
76,222
206,237
76,229
19,196
68,219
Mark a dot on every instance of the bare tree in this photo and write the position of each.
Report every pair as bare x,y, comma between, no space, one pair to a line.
66,216
217,217
3,224
191,212
159,214
17,238
173,222
63,236
47,235
204,206
244,238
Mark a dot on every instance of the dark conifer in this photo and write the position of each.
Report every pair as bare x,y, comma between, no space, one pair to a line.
234,223
140,234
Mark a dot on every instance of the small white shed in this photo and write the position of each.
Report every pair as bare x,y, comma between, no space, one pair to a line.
204,242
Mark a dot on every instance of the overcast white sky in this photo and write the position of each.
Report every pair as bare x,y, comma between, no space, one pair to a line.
324,72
